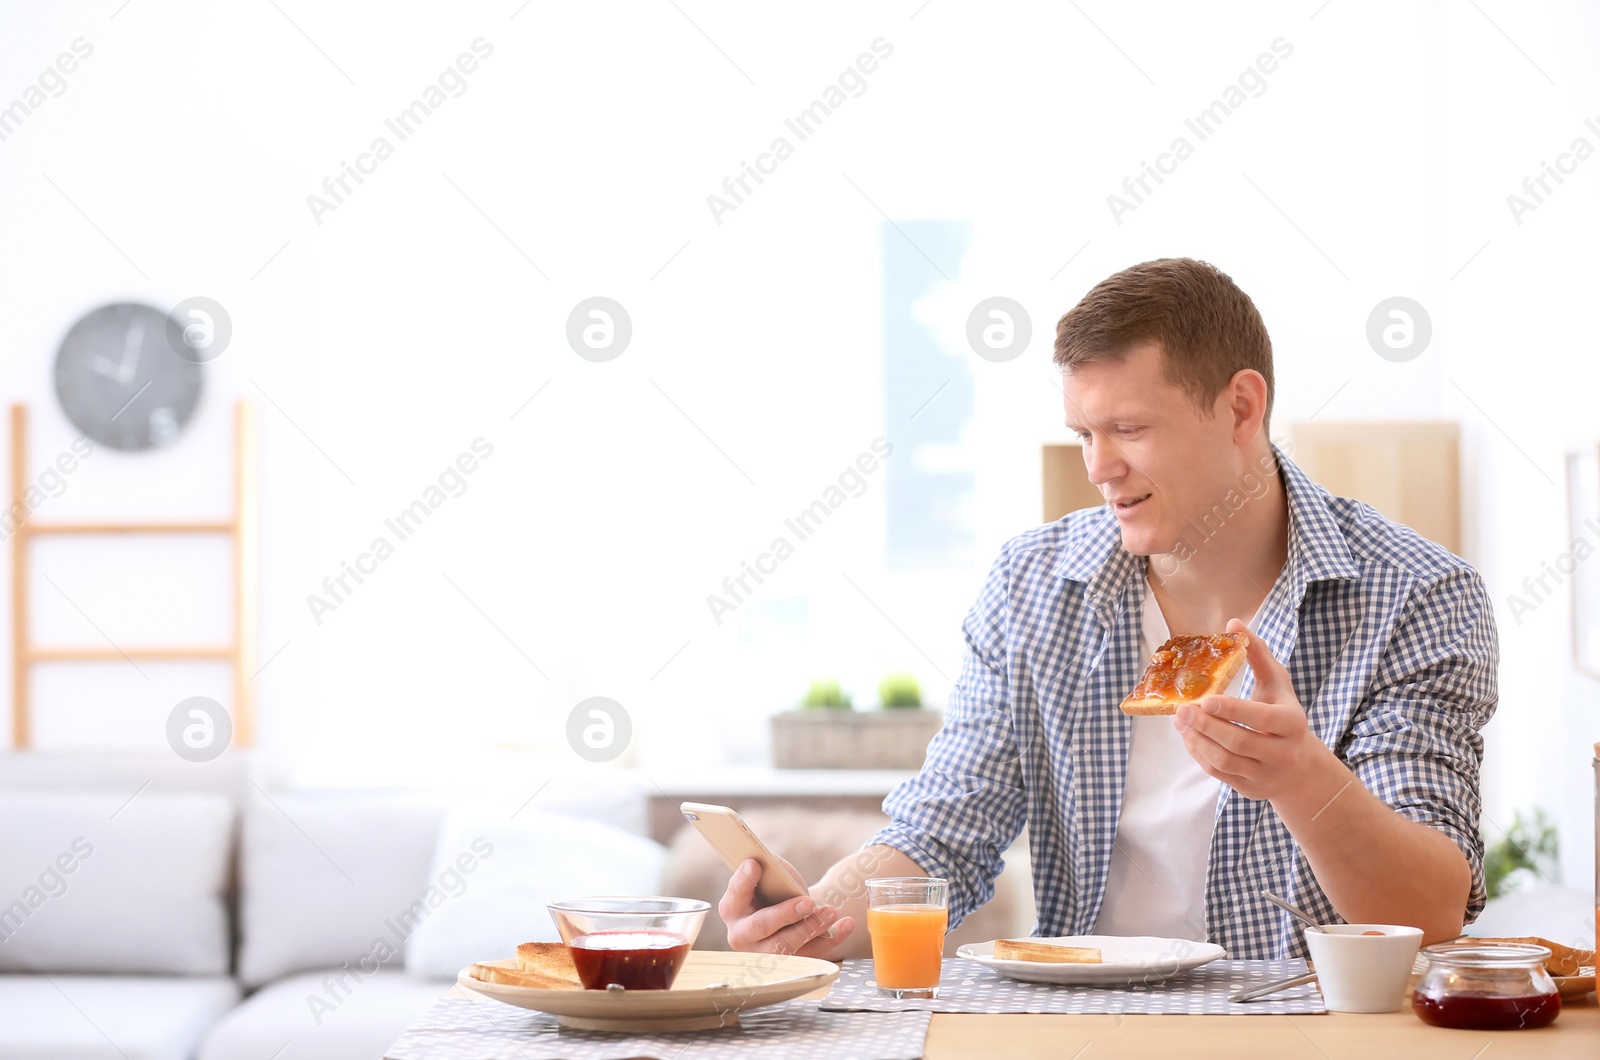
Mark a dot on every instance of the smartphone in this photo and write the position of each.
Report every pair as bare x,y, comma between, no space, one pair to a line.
733,840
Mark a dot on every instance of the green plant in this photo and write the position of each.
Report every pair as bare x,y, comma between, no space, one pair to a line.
1528,847
825,693
899,690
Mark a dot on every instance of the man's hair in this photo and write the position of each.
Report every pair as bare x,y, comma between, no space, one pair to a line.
1207,327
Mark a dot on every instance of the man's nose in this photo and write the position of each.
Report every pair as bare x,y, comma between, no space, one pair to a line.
1103,462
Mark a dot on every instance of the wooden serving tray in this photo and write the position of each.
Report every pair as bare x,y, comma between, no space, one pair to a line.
711,991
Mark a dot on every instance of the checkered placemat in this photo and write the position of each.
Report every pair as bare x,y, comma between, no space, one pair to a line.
483,1029
966,986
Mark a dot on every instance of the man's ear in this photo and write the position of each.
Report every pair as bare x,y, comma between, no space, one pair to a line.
1246,397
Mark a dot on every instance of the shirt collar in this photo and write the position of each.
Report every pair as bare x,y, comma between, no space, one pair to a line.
1093,552
1317,546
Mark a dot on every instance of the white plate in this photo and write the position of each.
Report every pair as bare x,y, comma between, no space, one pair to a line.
710,991
1128,960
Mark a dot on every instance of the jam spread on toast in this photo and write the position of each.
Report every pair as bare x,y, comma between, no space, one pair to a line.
1183,667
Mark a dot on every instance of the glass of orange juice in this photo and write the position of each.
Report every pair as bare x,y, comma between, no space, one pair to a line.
907,917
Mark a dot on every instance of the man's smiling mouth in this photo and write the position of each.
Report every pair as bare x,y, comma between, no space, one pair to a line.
1129,504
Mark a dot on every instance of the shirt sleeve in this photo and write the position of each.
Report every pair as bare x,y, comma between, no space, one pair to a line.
958,815
1415,742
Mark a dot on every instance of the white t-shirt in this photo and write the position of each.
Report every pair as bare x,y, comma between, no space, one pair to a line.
1157,884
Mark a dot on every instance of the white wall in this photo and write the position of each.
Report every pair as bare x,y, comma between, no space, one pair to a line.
1376,162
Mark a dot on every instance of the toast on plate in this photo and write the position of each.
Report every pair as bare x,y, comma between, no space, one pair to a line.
1044,952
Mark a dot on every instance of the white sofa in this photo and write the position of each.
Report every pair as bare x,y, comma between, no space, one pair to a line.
153,909
156,909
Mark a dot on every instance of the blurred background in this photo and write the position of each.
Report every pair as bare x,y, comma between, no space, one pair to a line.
664,271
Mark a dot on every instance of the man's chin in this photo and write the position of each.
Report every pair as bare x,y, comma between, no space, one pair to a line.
1139,541
1142,543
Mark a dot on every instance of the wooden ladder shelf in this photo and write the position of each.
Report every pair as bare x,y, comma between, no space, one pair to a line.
240,529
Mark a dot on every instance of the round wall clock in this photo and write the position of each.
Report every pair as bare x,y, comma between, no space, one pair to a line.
120,382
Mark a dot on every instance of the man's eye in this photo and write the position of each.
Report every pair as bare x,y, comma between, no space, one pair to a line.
1129,432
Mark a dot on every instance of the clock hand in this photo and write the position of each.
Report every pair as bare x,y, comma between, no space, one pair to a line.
132,344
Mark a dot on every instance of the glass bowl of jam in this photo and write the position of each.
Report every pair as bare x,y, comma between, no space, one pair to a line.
1486,986
633,943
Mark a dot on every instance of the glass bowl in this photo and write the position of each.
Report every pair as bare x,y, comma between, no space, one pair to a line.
636,943
1486,986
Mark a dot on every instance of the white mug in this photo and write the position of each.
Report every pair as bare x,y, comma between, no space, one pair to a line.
1363,973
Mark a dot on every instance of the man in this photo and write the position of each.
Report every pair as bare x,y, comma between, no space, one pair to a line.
1344,776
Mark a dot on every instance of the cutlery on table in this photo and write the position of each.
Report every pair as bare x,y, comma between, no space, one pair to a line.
1253,992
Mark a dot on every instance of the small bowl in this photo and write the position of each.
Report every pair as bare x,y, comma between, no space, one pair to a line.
628,942
1359,971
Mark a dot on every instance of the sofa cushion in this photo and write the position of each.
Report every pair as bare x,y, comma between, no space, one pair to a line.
331,1014
128,771
518,866
94,1017
101,882
324,874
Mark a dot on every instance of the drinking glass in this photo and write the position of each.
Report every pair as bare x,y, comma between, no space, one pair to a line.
907,917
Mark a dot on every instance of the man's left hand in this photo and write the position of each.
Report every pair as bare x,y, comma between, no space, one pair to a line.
1256,746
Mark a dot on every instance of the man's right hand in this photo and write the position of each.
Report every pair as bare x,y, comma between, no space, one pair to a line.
796,926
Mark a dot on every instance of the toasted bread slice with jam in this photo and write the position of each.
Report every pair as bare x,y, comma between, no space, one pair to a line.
1185,670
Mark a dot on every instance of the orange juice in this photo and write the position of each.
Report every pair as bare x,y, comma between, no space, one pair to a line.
907,943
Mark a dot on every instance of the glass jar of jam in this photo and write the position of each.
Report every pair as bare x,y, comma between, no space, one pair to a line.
1483,986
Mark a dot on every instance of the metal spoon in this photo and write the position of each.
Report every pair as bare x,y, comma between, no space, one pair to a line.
1251,993
1299,914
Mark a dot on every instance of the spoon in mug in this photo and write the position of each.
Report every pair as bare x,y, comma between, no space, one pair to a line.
1299,914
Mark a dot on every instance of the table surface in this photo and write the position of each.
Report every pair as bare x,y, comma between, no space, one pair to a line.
1333,1036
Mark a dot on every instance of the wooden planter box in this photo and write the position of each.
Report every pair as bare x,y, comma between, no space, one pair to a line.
823,738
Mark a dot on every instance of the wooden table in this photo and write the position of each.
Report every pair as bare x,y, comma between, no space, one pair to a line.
1335,1036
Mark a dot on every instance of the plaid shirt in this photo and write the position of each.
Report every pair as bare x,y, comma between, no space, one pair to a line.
1390,642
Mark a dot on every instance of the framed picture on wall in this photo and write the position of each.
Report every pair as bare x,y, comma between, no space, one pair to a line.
1583,513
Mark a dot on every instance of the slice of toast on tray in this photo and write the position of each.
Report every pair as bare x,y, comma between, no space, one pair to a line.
547,958
494,973
545,965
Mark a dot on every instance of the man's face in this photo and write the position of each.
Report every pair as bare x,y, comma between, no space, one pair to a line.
1157,460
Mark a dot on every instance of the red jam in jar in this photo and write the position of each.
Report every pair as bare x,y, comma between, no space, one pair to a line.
1481,1012
1485,986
